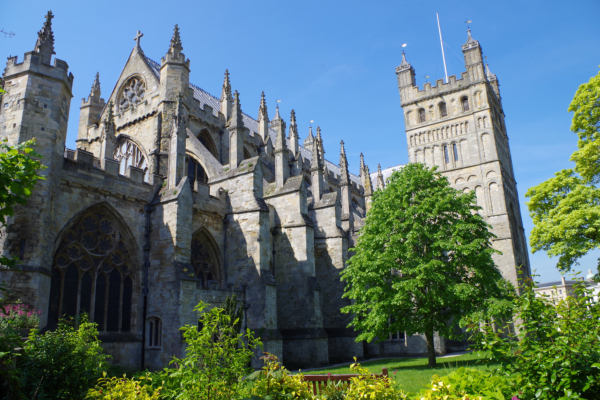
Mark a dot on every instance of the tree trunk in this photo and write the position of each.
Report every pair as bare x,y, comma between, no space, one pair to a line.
430,347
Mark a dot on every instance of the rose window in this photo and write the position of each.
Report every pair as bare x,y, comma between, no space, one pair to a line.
133,93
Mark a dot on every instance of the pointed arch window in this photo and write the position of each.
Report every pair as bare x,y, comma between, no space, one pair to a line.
196,173
443,110
446,155
154,332
205,259
455,151
92,266
127,153
422,115
465,103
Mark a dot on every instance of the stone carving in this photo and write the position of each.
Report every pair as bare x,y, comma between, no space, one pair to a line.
133,93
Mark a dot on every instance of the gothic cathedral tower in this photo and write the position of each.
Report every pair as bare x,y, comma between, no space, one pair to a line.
459,127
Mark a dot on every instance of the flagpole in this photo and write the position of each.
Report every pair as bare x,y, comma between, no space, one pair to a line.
442,44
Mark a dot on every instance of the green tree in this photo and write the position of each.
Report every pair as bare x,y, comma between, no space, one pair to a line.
557,351
566,208
424,258
19,166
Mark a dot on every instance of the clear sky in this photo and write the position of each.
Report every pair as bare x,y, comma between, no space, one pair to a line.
333,62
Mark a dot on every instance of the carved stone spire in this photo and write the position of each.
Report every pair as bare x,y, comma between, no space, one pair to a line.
310,137
45,40
263,118
380,183
293,134
236,129
345,176
95,92
175,48
315,161
110,117
282,168
236,113
488,73
367,184
362,163
321,148
107,145
226,98
316,171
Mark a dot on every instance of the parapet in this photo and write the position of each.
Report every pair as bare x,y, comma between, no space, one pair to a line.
414,93
33,62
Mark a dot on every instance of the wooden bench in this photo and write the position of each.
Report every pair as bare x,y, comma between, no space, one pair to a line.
320,381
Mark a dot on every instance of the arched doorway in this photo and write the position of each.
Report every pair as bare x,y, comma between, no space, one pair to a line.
205,258
93,273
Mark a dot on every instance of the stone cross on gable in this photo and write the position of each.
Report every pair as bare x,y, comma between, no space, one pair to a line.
137,38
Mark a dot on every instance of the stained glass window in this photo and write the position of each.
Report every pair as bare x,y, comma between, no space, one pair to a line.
203,259
92,261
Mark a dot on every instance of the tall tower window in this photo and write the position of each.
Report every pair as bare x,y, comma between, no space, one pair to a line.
446,155
443,111
455,150
422,115
465,103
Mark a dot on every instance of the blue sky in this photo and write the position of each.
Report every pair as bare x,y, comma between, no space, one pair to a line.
333,62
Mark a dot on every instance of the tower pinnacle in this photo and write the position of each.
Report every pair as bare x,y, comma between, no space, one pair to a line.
380,183
293,134
175,47
45,40
95,92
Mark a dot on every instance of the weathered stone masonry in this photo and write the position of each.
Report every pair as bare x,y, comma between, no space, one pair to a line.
173,197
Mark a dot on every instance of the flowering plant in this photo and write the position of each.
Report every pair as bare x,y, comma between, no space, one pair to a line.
18,316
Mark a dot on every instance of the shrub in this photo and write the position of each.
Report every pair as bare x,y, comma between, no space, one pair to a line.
216,361
468,383
367,386
10,338
273,382
555,348
62,364
123,389
18,316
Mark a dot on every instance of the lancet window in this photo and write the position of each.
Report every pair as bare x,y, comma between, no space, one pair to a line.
422,115
195,172
207,141
455,151
127,153
465,103
205,258
92,273
443,111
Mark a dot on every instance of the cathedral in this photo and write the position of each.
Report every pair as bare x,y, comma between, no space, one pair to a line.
174,196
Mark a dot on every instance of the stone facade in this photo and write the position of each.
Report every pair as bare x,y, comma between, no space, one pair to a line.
174,196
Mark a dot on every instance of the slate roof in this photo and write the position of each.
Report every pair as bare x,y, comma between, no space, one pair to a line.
206,98
557,283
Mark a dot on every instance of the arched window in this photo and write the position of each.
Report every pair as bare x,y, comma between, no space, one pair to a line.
205,258
127,153
205,138
92,261
422,115
132,93
446,155
246,154
195,172
153,332
465,103
455,150
443,111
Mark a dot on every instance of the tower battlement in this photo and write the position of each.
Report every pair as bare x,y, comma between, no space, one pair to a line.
32,62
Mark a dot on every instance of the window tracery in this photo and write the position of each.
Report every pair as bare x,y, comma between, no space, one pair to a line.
127,153
92,265
196,173
132,94
204,262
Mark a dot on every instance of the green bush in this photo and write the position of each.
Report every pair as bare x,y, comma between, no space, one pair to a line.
367,386
274,382
555,348
10,338
468,383
123,389
217,359
62,364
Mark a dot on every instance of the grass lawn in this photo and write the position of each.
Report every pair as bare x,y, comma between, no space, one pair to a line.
413,373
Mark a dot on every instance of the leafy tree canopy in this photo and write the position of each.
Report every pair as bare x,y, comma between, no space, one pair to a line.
423,259
566,208
19,166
